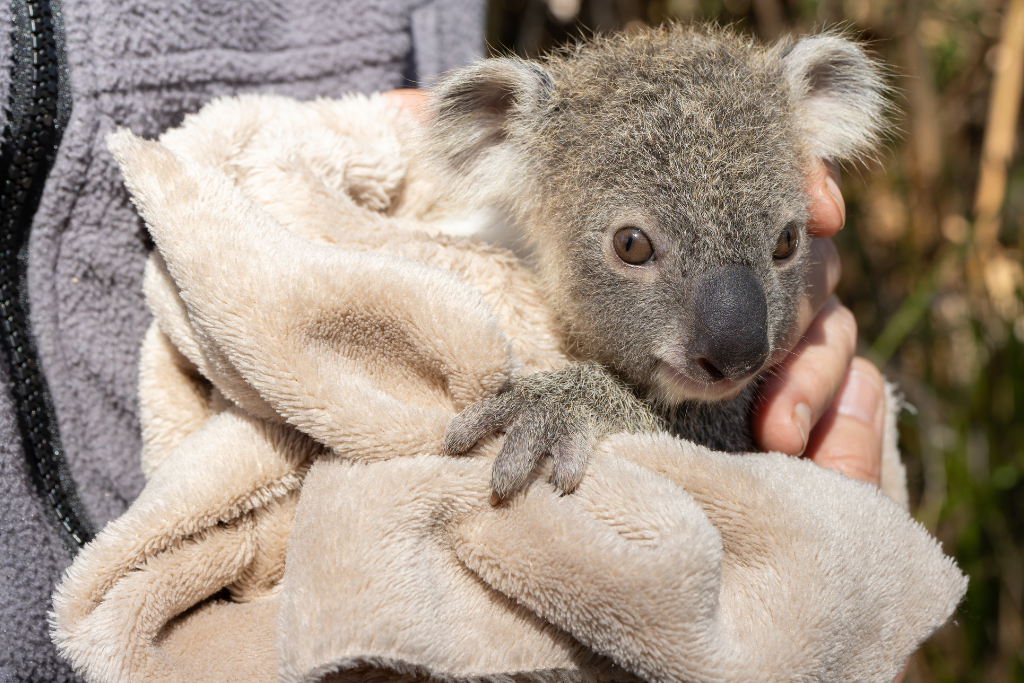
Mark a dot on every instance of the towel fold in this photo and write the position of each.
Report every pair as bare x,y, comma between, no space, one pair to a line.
314,332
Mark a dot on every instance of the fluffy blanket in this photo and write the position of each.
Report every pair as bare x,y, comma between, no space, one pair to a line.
313,335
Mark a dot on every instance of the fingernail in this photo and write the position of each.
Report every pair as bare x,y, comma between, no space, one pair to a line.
495,498
832,187
802,420
860,399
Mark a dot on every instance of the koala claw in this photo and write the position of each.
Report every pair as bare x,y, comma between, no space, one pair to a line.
561,413
475,422
528,437
533,435
571,463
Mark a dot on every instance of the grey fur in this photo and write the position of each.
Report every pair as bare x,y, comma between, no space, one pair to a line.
698,137
563,412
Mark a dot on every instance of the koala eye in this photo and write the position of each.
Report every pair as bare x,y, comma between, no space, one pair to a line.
786,243
632,246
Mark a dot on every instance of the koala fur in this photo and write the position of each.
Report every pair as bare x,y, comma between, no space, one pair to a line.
693,138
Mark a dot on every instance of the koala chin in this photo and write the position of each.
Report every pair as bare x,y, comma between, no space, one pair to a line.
658,180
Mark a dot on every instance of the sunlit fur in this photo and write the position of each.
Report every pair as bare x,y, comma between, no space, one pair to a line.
697,135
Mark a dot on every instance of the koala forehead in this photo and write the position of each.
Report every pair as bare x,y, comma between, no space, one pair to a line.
699,132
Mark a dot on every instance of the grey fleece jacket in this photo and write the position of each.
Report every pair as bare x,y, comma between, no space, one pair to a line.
145,64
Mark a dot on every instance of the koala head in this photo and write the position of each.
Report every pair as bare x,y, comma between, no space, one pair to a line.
661,180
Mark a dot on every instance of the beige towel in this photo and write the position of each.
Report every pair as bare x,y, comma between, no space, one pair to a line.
313,335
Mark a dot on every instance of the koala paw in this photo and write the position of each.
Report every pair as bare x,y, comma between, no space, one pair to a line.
561,413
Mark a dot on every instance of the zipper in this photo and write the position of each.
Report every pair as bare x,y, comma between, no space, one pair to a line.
38,112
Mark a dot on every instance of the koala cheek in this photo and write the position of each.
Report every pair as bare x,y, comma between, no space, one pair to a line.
784,315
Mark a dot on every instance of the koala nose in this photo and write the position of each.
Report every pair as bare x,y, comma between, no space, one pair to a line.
730,328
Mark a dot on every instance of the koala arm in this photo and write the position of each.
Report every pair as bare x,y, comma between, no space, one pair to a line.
562,412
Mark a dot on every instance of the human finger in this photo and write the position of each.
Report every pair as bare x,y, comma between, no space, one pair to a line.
412,100
848,437
819,286
799,391
827,210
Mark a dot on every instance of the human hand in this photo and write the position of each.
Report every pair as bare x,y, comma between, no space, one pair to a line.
411,100
820,401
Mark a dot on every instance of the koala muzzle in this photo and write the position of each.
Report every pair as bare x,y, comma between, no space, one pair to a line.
730,323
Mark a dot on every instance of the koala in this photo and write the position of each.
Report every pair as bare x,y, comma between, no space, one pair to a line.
658,179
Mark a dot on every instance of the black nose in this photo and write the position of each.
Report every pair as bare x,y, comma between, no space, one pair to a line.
730,327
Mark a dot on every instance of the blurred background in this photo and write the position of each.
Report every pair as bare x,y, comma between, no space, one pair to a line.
931,267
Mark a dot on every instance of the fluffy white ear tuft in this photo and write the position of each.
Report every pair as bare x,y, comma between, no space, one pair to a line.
477,138
840,94
477,108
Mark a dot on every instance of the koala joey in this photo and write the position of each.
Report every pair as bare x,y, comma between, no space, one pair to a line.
659,179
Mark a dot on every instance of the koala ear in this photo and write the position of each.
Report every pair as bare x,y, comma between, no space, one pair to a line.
839,92
477,108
